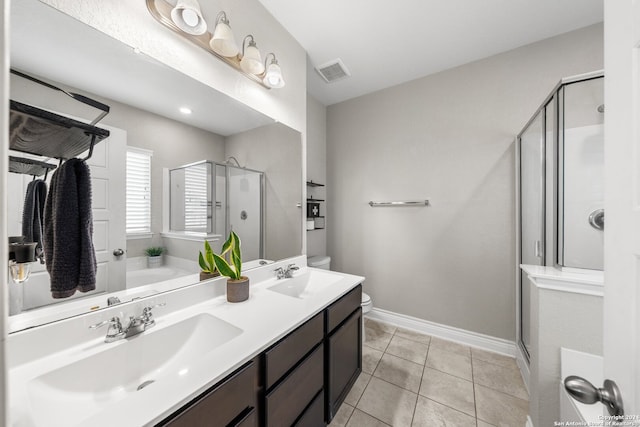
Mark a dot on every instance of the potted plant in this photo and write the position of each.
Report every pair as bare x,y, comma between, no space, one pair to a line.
208,268
154,256
237,284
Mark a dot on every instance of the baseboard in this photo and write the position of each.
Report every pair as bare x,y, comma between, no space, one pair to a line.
473,339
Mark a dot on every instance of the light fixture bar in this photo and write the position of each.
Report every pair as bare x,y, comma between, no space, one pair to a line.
161,11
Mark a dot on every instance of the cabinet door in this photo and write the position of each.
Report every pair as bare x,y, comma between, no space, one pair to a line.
230,402
344,361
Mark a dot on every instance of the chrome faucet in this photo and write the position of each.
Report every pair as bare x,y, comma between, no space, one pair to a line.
286,273
135,326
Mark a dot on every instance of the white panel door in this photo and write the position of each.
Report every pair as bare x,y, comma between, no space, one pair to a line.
622,200
108,180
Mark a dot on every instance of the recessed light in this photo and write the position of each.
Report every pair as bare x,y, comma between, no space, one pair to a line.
185,110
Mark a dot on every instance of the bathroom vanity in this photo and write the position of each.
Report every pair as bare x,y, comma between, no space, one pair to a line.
287,356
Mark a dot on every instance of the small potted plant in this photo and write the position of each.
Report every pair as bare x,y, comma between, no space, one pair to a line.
208,268
154,256
237,284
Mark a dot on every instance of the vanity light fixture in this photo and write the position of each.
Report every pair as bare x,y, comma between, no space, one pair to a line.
223,42
188,17
251,61
273,74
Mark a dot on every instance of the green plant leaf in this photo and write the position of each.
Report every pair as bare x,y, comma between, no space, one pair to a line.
224,268
203,265
228,244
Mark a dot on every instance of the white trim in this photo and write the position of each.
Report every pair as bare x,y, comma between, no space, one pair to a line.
191,237
473,339
140,150
136,236
529,422
587,282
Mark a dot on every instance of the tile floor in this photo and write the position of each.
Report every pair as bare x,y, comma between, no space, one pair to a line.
411,379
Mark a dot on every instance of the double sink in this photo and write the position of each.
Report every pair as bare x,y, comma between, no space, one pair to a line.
125,368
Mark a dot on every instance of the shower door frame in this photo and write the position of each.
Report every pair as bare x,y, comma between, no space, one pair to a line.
551,194
263,212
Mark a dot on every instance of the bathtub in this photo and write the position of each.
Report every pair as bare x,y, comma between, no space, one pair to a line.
147,276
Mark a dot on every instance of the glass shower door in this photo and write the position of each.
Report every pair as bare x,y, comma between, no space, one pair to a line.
532,211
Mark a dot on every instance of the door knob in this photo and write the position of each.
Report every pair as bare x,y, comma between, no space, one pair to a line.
585,392
118,252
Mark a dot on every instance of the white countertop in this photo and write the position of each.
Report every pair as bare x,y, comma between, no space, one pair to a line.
265,318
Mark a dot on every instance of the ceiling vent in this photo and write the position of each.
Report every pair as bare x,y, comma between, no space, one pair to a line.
333,71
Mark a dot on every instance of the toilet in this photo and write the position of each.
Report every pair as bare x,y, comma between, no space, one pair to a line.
324,262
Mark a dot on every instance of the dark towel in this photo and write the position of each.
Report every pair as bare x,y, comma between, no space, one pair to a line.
68,227
33,214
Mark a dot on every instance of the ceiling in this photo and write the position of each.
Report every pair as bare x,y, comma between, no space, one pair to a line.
384,46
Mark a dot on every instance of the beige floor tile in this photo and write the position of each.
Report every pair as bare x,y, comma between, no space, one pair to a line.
400,372
342,416
450,363
370,359
380,326
361,419
453,347
375,338
432,414
358,388
495,358
448,390
505,379
499,409
413,335
408,349
388,403
483,424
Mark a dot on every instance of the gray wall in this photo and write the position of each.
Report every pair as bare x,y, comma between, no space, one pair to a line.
275,150
447,137
317,169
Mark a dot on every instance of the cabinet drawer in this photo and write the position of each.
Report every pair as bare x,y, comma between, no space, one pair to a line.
289,399
248,420
314,414
222,404
341,309
284,355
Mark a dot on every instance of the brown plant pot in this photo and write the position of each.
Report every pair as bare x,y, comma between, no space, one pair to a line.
207,276
238,290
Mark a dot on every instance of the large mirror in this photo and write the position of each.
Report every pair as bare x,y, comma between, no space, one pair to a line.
145,98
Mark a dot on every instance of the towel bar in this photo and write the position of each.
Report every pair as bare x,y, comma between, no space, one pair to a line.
400,203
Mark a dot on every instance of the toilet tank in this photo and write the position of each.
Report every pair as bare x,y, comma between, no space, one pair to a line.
319,261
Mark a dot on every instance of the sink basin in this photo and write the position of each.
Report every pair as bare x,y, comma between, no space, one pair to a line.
79,390
306,285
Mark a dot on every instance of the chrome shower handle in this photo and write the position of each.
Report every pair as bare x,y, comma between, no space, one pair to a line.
596,219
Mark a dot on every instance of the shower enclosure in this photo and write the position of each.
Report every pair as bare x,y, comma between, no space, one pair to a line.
560,161
209,198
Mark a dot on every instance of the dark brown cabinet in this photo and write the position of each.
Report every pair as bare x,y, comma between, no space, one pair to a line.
343,360
299,381
232,402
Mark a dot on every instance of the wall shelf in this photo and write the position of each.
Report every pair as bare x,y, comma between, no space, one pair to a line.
310,183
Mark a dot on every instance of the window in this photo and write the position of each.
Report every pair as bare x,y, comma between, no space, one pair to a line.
195,197
138,191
